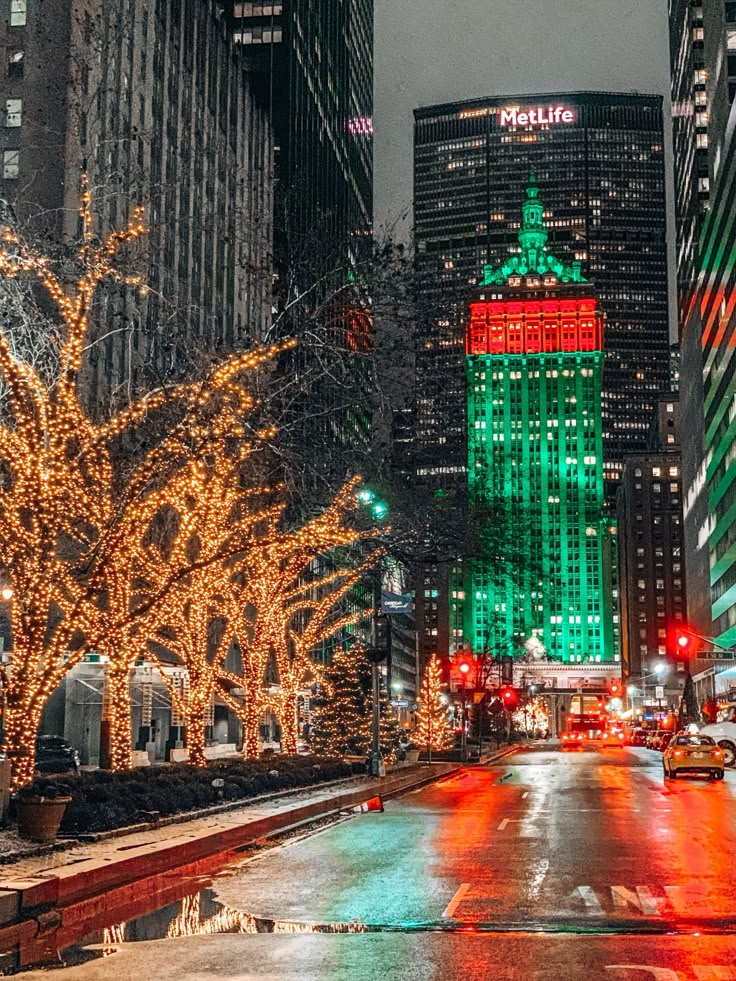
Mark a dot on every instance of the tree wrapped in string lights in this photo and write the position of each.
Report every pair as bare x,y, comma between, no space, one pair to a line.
72,525
433,730
294,599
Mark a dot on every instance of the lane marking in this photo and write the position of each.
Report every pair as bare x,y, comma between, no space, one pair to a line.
658,973
642,899
456,900
506,821
590,899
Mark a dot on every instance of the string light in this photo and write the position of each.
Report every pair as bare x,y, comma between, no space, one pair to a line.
73,530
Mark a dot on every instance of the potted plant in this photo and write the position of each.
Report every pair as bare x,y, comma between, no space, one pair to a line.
40,807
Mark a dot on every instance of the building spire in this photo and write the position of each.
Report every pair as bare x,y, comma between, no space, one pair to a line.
532,234
533,261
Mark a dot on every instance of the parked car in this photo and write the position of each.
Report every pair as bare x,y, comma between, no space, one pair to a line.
55,755
724,733
689,752
638,737
658,738
572,740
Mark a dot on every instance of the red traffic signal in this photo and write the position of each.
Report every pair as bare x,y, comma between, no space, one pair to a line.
509,696
463,670
615,689
684,643
681,642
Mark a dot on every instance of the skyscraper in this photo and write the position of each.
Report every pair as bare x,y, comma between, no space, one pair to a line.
712,320
703,83
652,574
689,137
534,380
311,62
599,158
156,107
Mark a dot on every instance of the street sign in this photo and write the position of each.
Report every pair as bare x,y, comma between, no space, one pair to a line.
659,692
400,703
393,603
715,656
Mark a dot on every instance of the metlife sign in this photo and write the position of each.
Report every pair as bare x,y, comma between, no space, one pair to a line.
539,116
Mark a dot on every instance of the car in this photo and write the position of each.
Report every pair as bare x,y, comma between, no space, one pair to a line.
724,733
638,737
692,752
613,737
657,738
55,755
572,740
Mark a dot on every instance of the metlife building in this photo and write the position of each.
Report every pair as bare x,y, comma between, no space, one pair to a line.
598,160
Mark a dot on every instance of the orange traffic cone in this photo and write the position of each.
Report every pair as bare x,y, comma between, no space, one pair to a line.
374,804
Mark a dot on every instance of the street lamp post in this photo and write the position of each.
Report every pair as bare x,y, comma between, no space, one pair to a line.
376,654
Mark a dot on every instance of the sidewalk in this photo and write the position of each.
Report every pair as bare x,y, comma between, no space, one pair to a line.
48,901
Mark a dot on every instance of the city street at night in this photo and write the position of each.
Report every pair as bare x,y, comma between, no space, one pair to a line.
547,865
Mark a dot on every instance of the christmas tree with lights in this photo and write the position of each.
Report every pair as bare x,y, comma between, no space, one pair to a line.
342,717
434,730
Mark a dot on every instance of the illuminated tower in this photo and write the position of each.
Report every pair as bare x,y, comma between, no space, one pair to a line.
534,363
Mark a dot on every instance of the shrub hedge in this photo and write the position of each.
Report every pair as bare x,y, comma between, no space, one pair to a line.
102,800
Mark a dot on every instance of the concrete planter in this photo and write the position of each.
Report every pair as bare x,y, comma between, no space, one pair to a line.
412,755
39,817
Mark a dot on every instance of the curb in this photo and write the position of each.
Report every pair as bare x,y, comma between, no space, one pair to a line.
63,844
41,914
500,754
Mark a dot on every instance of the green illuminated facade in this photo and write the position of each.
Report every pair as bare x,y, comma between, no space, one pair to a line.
534,369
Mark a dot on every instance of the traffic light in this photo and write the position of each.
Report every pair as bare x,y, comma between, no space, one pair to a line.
681,642
509,696
615,689
379,508
463,669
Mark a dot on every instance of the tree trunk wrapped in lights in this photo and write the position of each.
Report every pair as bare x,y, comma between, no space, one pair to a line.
66,509
433,731
290,609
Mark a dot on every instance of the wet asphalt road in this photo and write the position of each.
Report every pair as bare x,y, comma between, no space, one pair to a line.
546,866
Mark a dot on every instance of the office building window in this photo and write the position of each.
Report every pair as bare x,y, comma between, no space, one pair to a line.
11,159
15,64
18,13
13,112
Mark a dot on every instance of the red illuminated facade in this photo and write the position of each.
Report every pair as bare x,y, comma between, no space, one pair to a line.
546,326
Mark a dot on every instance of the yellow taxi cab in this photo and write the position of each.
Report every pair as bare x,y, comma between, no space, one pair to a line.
692,752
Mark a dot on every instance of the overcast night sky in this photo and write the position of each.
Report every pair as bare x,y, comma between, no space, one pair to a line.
431,51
